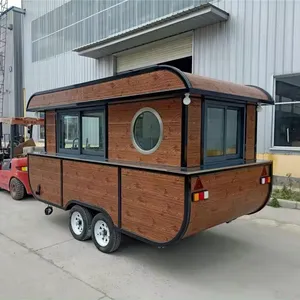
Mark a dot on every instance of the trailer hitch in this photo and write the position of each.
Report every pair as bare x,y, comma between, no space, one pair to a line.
48,210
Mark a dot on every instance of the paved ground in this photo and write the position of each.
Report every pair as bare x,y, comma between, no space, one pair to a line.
255,257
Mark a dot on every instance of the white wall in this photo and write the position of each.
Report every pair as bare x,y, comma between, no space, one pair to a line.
8,101
61,70
261,39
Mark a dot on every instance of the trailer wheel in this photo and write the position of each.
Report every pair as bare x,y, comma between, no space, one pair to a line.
80,221
104,234
17,189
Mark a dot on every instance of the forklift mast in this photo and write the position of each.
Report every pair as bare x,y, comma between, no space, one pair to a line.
1,136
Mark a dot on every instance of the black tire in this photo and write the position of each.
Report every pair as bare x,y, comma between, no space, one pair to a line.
17,189
85,220
114,239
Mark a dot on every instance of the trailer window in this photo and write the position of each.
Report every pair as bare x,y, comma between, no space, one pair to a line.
93,133
82,132
69,132
146,130
224,133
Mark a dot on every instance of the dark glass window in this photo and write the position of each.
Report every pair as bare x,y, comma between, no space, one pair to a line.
232,133
69,132
224,132
147,130
82,132
215,131
287,112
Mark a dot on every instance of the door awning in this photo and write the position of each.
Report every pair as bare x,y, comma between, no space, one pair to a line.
162,28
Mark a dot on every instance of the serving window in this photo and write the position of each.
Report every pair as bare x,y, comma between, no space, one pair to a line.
224,131
82,132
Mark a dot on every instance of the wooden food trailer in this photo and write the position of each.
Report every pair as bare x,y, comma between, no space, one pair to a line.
155,153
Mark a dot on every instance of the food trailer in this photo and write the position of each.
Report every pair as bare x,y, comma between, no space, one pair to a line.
154,153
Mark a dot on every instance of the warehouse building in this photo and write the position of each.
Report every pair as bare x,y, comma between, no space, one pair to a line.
248,42
11,63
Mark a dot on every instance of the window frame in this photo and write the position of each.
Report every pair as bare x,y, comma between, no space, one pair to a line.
161,130
91,152
225,159
273,146
39,127
60,115
80,113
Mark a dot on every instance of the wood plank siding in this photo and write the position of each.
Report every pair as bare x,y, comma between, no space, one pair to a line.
120,146
194,133
45,172
152,204
250,133
92,184
232,193
141,83
50,131
225,87
157,81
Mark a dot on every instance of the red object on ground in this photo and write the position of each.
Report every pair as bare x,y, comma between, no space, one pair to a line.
7,173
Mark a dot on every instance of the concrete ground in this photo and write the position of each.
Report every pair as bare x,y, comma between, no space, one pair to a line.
255,257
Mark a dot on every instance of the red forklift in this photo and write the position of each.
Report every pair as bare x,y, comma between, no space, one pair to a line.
13,154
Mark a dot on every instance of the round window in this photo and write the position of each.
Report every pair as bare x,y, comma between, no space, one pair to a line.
147,130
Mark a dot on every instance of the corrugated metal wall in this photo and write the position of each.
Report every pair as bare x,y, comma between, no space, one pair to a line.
68,68
78,23
61,70
260,40
8,103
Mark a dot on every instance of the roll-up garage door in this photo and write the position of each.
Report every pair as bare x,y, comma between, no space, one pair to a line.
169,49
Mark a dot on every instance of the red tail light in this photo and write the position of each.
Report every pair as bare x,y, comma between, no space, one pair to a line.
265,180
200,196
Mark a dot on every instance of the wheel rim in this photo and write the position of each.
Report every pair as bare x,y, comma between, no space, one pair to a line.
77,223
102,233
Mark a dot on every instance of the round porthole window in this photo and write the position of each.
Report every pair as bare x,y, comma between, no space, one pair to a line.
146,130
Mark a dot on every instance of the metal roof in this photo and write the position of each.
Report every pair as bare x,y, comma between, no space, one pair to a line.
166,26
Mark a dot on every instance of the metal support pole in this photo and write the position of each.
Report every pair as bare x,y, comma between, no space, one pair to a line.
12,137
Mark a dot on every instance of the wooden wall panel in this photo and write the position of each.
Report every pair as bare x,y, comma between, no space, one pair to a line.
45,172
51,132
226,87
152,204
232,193
120,146
156,81
194,133
250,132
93,184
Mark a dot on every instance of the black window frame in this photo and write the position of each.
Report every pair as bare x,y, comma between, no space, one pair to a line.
282,100
80,113
100,153
225,159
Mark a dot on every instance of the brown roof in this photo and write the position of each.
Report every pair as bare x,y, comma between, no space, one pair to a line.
145,83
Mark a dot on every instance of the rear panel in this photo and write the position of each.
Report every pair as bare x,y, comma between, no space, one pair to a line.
232,193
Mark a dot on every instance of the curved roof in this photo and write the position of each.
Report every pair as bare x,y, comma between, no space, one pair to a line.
145,83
